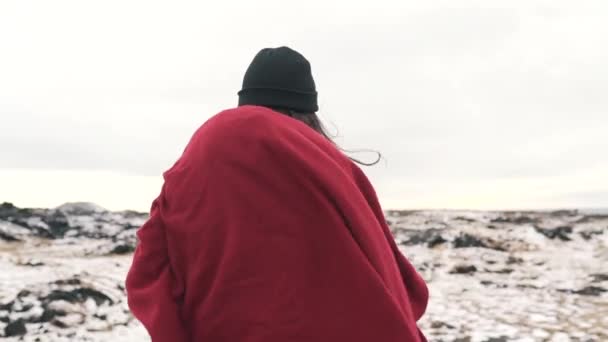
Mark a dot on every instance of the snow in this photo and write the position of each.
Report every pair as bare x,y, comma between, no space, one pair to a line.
37,222
525,286
13,230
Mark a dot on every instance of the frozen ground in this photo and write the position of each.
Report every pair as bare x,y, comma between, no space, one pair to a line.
493,276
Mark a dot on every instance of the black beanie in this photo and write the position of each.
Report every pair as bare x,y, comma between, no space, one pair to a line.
280,78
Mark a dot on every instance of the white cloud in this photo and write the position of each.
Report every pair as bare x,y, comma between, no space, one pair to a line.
456,94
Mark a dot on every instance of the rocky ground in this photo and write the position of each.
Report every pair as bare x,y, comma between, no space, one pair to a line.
493,276
516,276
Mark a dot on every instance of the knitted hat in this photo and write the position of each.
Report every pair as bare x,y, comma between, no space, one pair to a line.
279,77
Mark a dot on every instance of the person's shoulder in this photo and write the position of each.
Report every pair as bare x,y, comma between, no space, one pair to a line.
240,128
245,115
254,122
255,129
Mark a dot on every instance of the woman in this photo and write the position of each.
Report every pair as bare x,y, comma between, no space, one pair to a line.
265,231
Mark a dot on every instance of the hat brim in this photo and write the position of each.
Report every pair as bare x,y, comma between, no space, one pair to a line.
300,102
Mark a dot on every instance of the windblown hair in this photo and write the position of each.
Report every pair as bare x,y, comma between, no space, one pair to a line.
313,121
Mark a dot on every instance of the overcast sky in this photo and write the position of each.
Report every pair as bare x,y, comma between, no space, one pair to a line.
474,104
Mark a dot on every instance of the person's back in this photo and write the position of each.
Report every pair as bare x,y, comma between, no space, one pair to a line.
265,231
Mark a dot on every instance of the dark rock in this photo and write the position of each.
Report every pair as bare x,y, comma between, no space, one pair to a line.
599,277
501,271
128,226
39,232
56,220
436,240
463,269
497,339
7,211
23,293
591,291
133,214
25,212
519,219
491,226
587,235
9,238
440,324
524,220
561,233
97,296
24,308
514,260
463,339
48,315
58,224
5,319
586,291
564,213
16,328
21,219
101,317
72,281
55,223
430,237
7,206
489,283
78,295
59,324
33,264
401,213
591,218
465,240
7,306
122,249
465,219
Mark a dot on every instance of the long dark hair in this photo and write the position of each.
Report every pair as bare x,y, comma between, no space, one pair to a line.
313,121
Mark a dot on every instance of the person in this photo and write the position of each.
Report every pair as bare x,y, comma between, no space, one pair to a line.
264,230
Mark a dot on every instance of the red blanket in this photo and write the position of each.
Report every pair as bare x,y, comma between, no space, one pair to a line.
265,232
